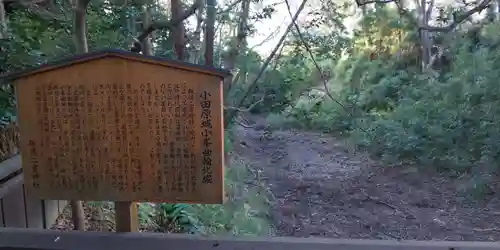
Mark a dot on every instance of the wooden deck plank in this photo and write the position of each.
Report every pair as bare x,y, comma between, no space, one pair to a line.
2,223
10,166
51,212
34,211
7,187
49,239
19,208
13,208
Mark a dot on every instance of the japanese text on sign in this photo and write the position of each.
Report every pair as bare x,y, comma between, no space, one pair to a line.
121,141
206,133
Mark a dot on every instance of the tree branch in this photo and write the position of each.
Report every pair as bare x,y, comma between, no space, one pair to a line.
270,37
243,124
137,47
252,86
229,7
311,55
361,3
247,109
428,12
457,19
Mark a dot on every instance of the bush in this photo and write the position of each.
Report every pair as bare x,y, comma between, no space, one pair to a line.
244,212
246,209
448,119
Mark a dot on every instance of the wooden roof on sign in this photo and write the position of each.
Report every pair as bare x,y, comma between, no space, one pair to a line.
116,53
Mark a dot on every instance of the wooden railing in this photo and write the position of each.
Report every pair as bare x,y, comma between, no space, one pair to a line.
19,209
13,238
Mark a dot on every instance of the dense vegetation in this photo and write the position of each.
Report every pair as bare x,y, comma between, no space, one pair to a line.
398,87
442,116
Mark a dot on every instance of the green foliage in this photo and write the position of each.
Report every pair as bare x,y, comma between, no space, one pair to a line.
449,122
439,118
244,212
176,217
34,40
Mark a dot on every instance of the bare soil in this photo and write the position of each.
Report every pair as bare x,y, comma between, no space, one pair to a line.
95,219
322,188
98,217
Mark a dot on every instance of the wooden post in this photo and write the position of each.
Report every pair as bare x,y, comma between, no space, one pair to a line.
126,216
203,93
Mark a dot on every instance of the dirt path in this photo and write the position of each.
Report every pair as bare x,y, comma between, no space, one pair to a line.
321,189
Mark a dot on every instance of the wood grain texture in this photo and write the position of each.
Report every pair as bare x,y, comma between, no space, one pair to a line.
14,208
34,212
126,216
51,212
19,208
11,184
122,130
48,239
10,166
2,223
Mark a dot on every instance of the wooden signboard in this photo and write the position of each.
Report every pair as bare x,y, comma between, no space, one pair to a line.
118,126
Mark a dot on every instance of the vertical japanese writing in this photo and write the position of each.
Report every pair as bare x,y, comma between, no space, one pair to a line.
165,117
77,161
111,139
167,120
206,135
88,135
120,137
190,139
133,143
177,147
52,113
34,155
35,164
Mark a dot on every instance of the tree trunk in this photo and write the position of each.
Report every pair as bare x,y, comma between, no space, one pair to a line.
197,43
237,42
497,3
210,33
220,31
3,21
81,45
425,11
178,30
492,14
234,110
147,47
79,26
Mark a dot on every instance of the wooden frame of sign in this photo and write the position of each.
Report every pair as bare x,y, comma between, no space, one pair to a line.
119,126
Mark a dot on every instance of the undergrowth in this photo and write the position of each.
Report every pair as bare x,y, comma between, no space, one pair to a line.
245,211
444,118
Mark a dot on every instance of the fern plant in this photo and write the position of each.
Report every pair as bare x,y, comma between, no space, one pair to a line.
177,218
